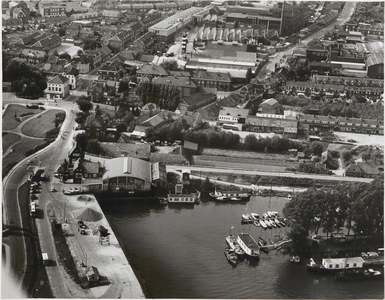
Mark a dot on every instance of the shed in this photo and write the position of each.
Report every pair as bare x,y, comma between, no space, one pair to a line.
93,274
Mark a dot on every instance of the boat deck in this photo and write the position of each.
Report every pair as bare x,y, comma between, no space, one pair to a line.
249,241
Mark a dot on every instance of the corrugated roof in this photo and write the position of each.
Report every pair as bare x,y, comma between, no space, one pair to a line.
375,59
127,167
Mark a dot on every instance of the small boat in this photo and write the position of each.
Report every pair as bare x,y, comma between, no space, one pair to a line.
264,243
221,198
356,275
230,240
257,223
335,265
163,200
263,224
277,222
295,258
231,256
265,215
273,223
235,199
267,222
255,216
246,218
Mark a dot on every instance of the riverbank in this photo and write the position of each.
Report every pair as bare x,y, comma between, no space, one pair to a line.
89,251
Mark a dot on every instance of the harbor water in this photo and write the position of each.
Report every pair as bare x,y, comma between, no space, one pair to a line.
177,251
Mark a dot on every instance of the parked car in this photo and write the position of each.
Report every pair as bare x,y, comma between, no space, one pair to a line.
352,141
76,190
70,190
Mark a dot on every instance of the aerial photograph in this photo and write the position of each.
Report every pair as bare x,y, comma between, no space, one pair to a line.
192,149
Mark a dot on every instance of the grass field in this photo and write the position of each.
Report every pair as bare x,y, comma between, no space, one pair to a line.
38,126
9,139
19,152
9,120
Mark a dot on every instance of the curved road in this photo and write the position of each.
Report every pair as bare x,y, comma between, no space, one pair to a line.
56,152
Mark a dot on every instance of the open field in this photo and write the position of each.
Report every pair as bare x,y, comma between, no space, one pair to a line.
8,140
37,127
247,154
9,120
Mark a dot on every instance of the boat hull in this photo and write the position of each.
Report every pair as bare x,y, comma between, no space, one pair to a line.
358,276
248,245
320,269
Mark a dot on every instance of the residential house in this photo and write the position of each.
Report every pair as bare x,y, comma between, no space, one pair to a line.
106,53
249,89
85,16
112,15
328,161
112,71
73,75
137,28
33,56
220,81
86,169
94,57
270,106
151,70
200,98
151,19
357,125
364,169
145,41
57,88
314,124
119,41
75,153
186,86
81,64
96,91
95,126
157,120
271,123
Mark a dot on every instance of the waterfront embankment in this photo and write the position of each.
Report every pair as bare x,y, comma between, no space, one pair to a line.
88,251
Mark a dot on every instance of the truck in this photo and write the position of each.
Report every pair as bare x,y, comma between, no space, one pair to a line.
45,259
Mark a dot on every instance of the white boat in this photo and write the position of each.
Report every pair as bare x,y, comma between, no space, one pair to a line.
235,199
263,224
248,244
230,194
246,218
255,216
273,223
267,222
233,245
257,223
277,222
221,198
265,215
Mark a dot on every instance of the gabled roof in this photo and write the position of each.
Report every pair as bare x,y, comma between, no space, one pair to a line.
152,70
175,81
375,59
363,168
94,121
90,167
269,103
58,79
71,71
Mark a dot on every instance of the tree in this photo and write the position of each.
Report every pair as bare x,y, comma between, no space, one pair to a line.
84,105
170,65
82,140
317,148
93,147
61,31
65,56
366,155
121,127
248,75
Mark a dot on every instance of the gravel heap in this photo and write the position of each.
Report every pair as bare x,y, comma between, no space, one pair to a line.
87,214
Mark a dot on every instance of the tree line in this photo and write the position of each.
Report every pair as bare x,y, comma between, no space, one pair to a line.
166,96
356,207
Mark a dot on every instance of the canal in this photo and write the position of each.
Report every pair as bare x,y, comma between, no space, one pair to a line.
178,251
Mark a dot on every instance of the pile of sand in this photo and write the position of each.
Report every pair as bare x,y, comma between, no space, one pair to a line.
87,214
84,198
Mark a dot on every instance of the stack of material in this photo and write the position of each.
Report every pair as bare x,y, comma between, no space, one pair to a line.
87,214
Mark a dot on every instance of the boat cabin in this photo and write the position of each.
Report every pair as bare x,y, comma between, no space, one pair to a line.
343,263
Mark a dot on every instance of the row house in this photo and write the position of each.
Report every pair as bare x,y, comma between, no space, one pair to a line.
356,125
269,123
137,29
151,19
47,43
314,124
57,88
142,8
106,53
73,76
112,15
119,41
85,16
33,56
145,41
220,81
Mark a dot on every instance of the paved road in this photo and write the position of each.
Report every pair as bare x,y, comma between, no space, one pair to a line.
173,168
55,153
276,58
